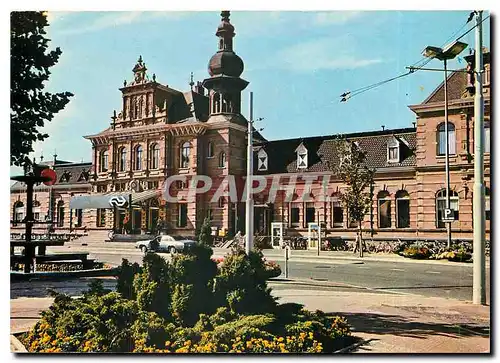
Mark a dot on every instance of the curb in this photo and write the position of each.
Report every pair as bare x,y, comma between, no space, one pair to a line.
16,345
353,346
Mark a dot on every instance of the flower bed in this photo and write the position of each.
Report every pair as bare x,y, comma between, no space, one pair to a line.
416,252
187,305
57,266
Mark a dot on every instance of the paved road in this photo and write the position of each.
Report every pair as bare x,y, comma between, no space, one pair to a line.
437,280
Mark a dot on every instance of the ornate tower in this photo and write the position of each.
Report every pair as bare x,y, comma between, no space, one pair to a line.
225,68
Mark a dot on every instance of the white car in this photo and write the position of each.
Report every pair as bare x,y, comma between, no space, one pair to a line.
166,243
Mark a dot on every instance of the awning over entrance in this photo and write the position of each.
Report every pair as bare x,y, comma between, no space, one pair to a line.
99,201
111,200
145,195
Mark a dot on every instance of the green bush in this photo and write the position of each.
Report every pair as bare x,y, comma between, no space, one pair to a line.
185,306
125,281
205,234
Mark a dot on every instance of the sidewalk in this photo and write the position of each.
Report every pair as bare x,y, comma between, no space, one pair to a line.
387,323
401,323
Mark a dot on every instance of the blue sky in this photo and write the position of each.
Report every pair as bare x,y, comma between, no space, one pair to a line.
297,63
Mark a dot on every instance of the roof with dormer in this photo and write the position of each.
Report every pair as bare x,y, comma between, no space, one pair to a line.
282,154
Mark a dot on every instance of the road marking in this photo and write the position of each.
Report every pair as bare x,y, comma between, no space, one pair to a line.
432,272
396,269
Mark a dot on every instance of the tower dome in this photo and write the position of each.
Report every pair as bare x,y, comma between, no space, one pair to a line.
225,61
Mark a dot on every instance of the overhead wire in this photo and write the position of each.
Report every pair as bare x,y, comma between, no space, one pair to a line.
413,68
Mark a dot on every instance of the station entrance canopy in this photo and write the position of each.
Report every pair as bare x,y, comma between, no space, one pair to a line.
111,200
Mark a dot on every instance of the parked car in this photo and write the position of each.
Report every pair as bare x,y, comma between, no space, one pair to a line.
165,243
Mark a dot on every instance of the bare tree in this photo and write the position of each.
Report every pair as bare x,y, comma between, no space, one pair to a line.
358,178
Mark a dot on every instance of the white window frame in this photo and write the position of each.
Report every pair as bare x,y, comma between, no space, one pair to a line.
262,165
302,156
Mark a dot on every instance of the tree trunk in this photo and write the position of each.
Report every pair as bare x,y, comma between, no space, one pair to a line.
360,241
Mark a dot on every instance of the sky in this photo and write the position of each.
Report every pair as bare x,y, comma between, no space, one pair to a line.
297,63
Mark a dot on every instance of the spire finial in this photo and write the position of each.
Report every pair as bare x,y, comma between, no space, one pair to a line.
191,82
140,59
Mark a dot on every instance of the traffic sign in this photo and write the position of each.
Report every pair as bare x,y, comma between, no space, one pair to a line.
49,173
449,215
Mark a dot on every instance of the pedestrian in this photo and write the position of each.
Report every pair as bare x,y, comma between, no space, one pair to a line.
356,242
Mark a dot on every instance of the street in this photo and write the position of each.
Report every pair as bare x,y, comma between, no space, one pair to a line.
425,279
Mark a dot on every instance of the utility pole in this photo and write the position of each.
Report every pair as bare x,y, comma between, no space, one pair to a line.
479,273
249,184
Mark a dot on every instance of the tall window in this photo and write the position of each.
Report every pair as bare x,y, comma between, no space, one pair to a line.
441,149
122,159
487,203
310,213
222,160
384,209
441,206
185,151
78,215
36,210
294,215
210,150
402,209
337,214
182,216
487,137
101,218
221,202
18,211
103,161
138,157
60,213
154,155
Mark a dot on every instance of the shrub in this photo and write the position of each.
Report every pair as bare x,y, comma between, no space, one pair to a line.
205,235
125,281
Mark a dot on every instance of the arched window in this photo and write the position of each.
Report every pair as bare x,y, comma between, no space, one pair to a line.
103,161
384,209
122,159
441,206
18,211
222,160
60,213
402,209
184,157
441,139
154,155
210,150
138,157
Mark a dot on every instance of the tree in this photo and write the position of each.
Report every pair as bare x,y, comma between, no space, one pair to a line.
353,171
29,69
205,236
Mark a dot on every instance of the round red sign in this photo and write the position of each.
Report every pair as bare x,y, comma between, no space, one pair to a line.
50,174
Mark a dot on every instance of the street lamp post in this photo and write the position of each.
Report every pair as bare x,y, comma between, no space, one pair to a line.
445,54
249,184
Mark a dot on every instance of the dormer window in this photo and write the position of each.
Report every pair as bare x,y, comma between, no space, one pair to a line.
301,156
262,160
393,151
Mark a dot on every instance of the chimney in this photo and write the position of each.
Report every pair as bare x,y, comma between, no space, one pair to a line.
199,88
